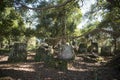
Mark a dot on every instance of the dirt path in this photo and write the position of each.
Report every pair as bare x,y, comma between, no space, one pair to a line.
78,70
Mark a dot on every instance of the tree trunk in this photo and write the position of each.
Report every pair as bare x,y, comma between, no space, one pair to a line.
115,45
9,42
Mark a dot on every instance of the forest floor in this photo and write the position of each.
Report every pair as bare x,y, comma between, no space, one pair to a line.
79,69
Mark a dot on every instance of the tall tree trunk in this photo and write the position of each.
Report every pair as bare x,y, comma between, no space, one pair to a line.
115,45
0,44
64,26
9,42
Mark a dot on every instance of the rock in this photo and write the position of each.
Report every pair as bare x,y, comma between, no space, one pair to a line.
18,53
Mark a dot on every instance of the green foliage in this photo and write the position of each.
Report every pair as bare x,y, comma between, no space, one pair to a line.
111,21
5,3
109,12
11,24
114,3
52,22
89,28
29,32
77,32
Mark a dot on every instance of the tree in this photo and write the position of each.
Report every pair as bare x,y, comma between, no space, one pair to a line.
49,6
11,24
110,16
59,22
112,21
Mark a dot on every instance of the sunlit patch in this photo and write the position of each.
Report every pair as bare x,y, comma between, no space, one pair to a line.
3,58
48,78
20,67
25,66
6,78
75,69
60,72
25,69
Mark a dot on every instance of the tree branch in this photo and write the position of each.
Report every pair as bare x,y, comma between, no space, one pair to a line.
95,31
82,3
48,7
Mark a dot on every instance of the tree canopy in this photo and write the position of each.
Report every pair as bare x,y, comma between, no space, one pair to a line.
54,18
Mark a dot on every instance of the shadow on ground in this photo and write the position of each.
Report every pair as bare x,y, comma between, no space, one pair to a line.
31,70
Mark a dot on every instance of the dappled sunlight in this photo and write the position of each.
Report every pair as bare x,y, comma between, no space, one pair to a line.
60,40
3,58
60,72
25,67
21,67
76,69
30,55
80,65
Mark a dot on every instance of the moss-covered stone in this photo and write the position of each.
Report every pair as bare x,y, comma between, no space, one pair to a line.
106,51
18,53
41,53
